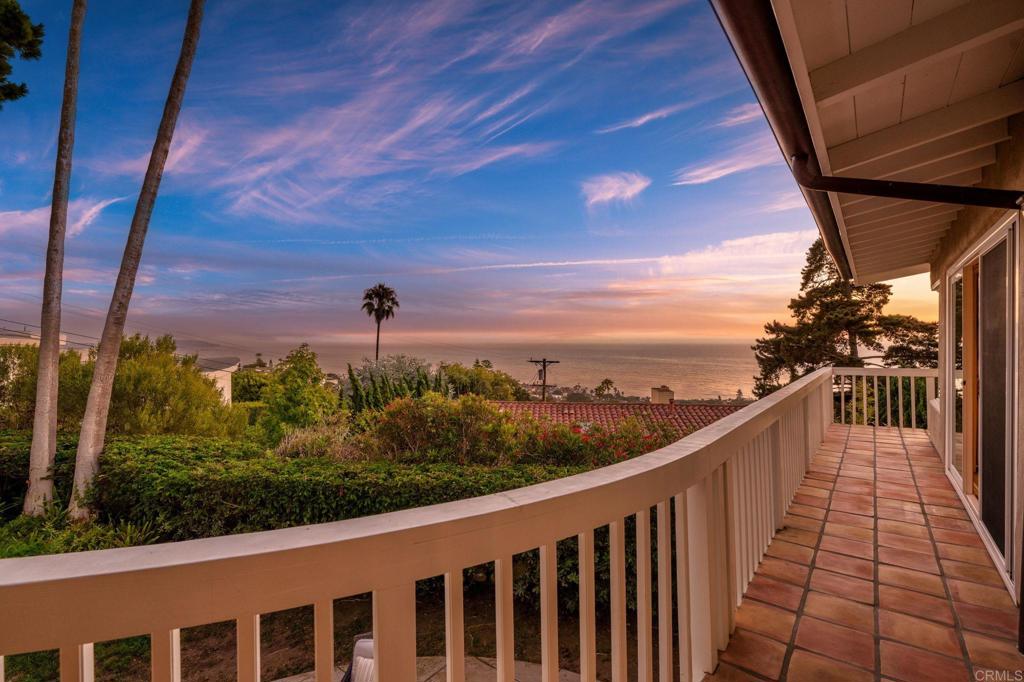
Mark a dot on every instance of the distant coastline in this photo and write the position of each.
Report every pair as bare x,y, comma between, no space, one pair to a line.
693,369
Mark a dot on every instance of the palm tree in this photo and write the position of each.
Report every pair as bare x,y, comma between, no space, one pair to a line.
94,423
44,424
380,302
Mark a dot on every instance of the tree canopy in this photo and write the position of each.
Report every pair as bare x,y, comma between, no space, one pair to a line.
156,391
833,320
297,396
18,37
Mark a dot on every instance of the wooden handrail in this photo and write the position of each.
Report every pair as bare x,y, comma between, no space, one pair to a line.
69,601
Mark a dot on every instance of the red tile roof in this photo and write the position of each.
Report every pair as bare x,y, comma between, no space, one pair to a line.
685,418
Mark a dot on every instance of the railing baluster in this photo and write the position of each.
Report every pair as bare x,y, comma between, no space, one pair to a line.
754,501
842,399
76,663
588,612
164,656
929,396
679,502
913,402
888,403
323,640
899,398
504,619
394,633
776,473
764,474
454,627
853,400
247,644
736,568
721,609
757,499
747,511
644,639
705,655
874,382
549,612
664,593
617,607
864,381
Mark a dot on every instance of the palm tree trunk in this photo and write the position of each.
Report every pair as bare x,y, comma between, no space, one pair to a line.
44,423
376,353
94,423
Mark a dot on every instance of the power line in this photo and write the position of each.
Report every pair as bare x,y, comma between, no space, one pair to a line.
84,344
93,313
543,374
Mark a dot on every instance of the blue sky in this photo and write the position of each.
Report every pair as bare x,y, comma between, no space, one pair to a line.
563,170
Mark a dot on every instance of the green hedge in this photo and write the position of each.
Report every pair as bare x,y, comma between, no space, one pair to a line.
183,498
186,488
166,488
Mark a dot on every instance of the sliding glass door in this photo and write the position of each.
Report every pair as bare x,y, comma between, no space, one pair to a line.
981,360
994,397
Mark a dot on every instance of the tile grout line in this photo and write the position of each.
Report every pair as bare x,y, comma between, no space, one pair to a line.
791,645
877,606
957,629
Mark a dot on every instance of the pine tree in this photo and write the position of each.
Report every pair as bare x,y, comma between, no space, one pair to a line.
833,319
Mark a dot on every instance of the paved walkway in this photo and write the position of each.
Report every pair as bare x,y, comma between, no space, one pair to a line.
877,574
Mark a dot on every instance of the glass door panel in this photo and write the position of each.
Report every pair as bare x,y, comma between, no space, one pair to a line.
957,458
993,330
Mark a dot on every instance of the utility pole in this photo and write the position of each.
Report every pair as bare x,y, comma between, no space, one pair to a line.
542,373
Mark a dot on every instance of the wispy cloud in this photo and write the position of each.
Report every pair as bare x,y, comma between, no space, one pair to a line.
747,155
82,213
88,213
644,119
409,97
613,187
744,113
184,156
785,202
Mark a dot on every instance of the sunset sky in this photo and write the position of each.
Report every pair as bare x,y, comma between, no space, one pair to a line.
591,170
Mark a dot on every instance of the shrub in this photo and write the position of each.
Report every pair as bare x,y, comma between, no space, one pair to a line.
15,446
470,430
197,495
328,441
253,410
247,385
467,430
296,397
482,379
155,391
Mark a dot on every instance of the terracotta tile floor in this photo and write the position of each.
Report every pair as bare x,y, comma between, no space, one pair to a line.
878,574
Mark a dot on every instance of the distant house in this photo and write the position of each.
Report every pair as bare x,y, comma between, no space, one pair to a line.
15,337
684,418
220,370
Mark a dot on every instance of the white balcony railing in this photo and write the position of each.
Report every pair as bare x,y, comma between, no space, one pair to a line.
885,396
718,496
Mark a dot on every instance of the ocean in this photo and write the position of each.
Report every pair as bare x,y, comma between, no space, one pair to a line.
691,369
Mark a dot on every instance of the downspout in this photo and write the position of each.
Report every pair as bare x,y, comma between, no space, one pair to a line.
809,178
754,34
